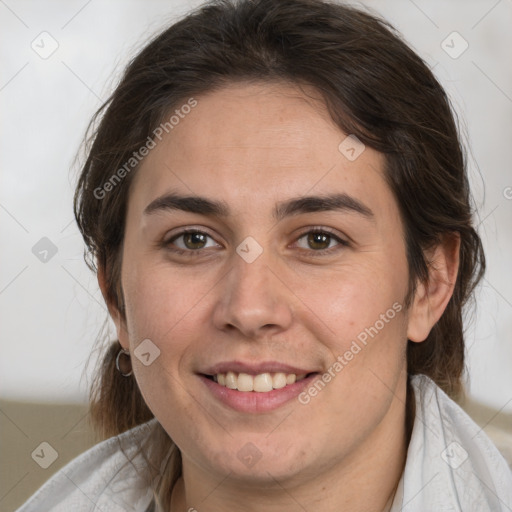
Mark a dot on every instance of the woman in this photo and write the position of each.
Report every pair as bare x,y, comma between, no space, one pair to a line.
276,204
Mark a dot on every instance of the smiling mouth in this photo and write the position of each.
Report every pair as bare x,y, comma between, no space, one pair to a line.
261,383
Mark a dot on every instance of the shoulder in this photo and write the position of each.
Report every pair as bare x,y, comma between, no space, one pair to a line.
451,463
106,477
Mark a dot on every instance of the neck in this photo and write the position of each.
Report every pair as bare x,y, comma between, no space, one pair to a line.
364,481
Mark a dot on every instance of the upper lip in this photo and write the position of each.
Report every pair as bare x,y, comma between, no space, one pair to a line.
254,368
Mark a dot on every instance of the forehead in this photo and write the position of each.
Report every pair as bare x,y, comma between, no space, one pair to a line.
254,144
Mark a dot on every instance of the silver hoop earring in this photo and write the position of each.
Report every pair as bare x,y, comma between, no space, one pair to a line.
125,352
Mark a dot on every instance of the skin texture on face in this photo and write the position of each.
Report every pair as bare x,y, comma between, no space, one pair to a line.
303,301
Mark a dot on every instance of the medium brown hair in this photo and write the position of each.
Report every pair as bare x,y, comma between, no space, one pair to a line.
373,85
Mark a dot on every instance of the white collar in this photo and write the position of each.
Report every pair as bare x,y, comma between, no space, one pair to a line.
451,464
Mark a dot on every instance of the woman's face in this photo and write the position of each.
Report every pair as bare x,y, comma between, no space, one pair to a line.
297,266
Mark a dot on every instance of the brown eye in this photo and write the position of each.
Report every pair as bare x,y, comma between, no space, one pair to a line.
194,240
320,241
189,241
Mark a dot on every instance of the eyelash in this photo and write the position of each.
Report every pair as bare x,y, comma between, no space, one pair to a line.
320,253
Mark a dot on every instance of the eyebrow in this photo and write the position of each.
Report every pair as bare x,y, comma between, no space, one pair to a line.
290,207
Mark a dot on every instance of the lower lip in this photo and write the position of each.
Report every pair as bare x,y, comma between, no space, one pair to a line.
253,401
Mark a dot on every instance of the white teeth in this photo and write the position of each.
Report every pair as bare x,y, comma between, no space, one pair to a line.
279,380
245,382
262,383
231,380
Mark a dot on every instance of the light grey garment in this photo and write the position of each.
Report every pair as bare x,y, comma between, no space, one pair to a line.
102,479
451,466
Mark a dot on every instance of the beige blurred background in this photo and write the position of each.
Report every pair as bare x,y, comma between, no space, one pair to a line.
61,59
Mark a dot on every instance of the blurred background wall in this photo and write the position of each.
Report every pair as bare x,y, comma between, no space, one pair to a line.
60,61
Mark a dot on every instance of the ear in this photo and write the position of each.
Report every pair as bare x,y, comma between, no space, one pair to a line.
432,297
115,314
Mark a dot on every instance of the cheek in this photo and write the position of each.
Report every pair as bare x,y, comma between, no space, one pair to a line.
354,298
160,308
362,326
159,300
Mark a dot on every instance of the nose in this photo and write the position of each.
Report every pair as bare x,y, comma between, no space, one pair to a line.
253,300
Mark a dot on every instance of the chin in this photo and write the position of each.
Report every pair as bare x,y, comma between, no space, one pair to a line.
255,465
